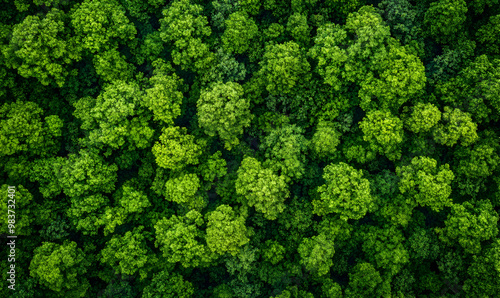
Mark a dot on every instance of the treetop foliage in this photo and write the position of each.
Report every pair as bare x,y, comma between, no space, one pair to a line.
250,149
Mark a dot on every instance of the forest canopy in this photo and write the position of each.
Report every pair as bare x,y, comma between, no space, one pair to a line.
250,148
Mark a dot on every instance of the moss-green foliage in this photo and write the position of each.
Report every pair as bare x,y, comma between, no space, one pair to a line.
345,192
261,188
316,254
457,126
383,132
427,184
42,48
444,18
116,117
325,140
181,240
423,118
486,34
283,67
183,190
239,33
474,90
24,214
484,272
250,149
165,284
163,97
223,110
101,25
226,231
286,150
60,267
365,280
22,130
363,52
469,224
183,26
127,253
176,149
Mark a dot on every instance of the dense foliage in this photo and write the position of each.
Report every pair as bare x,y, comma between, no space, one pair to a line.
251,148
